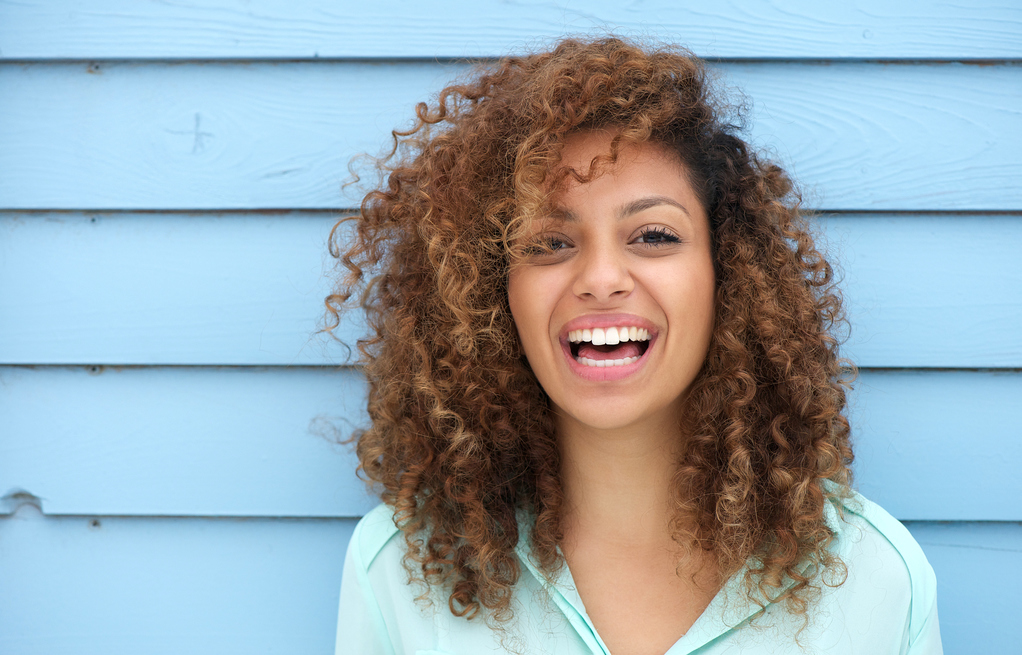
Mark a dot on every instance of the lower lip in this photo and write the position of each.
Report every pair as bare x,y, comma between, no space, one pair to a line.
605,373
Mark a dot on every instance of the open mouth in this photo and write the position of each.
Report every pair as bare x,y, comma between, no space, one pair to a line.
606,347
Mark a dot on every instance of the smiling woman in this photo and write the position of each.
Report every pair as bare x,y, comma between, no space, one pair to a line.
630,256
607,408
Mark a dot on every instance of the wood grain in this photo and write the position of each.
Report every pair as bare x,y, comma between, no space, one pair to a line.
101,586
183,442
257,136
933,444
930,290
261,442
987,29
248,289
167,289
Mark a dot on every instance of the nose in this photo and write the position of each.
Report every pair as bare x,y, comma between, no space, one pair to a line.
602,274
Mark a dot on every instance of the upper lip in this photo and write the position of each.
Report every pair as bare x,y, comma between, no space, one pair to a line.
606,321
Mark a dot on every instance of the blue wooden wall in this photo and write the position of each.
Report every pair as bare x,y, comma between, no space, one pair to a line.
168,176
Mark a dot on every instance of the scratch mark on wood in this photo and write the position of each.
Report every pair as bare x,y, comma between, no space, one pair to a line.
281,173
198,136
938,544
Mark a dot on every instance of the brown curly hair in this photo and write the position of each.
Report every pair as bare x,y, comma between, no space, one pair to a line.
462,441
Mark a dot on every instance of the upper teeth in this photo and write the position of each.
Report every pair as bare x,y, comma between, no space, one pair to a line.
609,336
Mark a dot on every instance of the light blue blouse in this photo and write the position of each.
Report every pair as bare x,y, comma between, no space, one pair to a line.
886,605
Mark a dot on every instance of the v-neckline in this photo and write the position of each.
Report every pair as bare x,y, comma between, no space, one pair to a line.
730,608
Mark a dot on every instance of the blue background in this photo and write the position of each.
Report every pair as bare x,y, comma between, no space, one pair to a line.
169,173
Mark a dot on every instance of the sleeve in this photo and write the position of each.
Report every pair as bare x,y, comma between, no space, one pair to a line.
361,629
925,638
921,632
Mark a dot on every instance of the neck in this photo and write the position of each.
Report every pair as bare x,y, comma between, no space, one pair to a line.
616,482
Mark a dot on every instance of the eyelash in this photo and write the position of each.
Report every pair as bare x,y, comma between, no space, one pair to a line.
664,238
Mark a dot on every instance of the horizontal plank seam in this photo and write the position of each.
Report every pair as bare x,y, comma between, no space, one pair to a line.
205,211
447,59
914,522
341,211
910,523
969,547
192,517
102,368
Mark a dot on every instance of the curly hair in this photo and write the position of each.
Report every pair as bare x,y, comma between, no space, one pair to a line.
461,440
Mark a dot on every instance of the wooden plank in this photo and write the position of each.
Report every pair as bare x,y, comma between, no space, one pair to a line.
930,444
183,442
142,585
988,29
106,586
978,567
166,289
256,442
247,289
240,136
919,288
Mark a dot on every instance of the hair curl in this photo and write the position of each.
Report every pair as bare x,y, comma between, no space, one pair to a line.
461,438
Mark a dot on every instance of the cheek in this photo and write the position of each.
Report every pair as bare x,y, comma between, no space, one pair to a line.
692,306
514,291
529,309
707,308
704,295
518,301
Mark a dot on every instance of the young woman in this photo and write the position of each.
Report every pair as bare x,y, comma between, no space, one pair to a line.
606,402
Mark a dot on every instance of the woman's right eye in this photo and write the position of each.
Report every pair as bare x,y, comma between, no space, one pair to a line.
546,245
555,243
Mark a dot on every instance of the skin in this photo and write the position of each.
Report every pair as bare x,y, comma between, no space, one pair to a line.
632,246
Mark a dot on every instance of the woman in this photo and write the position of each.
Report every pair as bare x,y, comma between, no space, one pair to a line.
606,402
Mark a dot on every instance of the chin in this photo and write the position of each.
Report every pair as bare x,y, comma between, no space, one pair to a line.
609,415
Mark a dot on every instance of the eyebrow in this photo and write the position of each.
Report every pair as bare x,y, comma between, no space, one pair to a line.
643,204
634,207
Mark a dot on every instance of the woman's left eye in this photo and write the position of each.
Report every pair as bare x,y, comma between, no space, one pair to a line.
657,236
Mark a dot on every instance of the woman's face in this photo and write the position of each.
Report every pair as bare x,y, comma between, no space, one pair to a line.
615,314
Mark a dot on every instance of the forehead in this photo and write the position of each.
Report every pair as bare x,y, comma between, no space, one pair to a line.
625,177
594,151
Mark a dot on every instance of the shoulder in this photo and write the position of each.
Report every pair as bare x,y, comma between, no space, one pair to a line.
378,609
372,534
866,525
886,568
376,554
